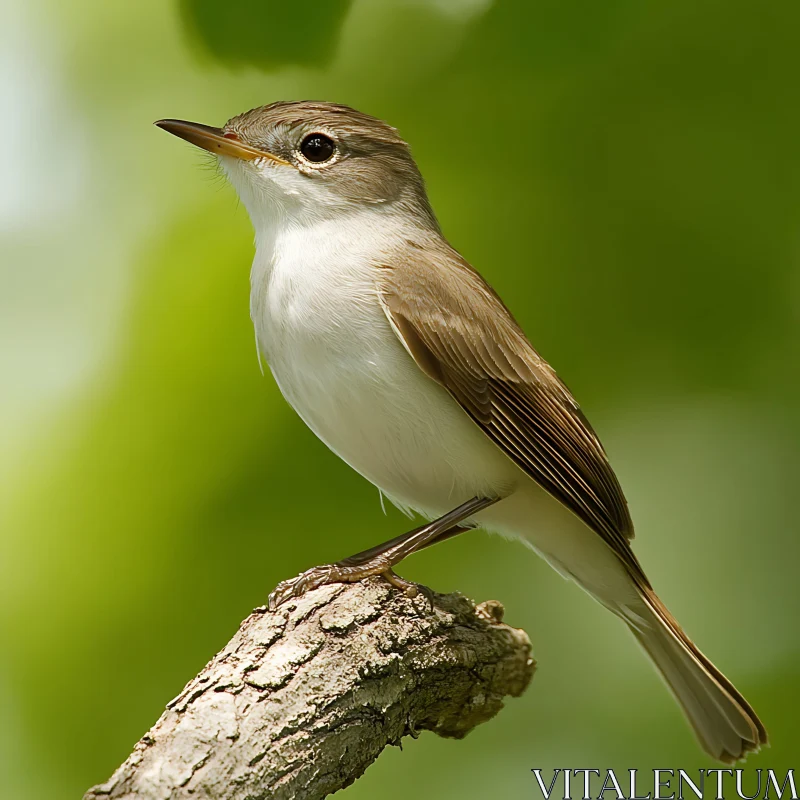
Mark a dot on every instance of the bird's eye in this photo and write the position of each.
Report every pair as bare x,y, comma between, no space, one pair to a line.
317,147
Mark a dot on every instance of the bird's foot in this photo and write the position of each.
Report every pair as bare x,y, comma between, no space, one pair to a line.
342,573
306,581
380,560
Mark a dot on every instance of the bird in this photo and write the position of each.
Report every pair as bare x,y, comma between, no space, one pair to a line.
403,360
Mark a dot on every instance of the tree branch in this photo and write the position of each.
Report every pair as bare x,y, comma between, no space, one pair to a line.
300,702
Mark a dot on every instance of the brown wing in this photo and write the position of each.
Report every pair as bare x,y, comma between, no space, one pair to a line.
462,336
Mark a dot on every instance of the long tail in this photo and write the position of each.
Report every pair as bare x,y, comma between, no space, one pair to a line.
724,722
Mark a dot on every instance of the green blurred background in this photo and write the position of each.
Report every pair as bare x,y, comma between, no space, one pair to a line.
626,174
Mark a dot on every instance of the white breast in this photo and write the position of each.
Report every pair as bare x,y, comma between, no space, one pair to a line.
329,345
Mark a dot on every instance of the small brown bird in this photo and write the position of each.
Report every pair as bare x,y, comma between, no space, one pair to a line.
405,362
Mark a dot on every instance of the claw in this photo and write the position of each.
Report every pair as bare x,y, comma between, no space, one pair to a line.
427,593
296,587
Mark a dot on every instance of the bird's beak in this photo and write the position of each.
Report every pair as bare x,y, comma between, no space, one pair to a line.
215,140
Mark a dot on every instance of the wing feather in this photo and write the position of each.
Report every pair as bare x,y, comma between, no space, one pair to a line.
462,336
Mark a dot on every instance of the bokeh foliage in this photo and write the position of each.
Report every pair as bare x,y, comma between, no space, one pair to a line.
264,33
627,175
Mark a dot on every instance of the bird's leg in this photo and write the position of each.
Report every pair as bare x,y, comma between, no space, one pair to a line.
366,556
409,588
379,560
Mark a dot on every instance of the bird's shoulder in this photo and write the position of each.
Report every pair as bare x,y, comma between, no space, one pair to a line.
431,285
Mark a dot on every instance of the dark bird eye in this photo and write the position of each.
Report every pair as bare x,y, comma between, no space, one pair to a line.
317,147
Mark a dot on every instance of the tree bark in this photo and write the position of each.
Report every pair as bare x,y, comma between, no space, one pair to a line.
301,701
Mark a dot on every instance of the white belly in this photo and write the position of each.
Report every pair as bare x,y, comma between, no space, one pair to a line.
340,365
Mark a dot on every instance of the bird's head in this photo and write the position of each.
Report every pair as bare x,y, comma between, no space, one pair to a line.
311,158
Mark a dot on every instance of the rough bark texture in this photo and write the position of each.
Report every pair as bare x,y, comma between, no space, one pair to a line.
300,702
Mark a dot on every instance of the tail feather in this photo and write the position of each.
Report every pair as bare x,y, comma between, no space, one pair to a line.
724,722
